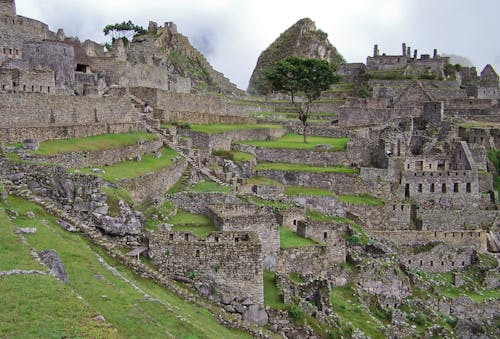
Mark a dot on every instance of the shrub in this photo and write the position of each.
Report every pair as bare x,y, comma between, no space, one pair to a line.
354,240
295,312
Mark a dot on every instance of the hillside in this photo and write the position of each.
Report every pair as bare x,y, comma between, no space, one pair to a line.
302,39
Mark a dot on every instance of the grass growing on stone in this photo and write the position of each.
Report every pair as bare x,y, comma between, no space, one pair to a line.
311,191
161,212
363,199
221,128
363,237
296,141
132,169
262,181
318,216
199,225
272,295
262,202
44,307
345,304
113,196
93,143
296,278
209,186
290,239
288,167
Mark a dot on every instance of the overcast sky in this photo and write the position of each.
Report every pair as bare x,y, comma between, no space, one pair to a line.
232,33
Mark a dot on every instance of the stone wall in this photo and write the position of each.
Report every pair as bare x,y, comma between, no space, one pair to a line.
155,184
232,260
40,110
263,220
101,158
35,80
17,134
439,219
8,7
19,29
223,141
456,238
309,260
441,258
322,130
487,137
329,233
311,157
339,183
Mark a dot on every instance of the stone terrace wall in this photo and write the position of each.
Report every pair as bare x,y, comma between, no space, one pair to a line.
329,233
22,29
154,184
101,158
17,134
311,157
309,260
323,130
371,217
223,141
232,259
339,183
456,238
35,109
438,219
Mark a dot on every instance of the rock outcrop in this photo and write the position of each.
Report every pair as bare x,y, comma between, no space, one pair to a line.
302,40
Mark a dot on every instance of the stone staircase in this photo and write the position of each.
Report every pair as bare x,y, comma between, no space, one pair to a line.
153,126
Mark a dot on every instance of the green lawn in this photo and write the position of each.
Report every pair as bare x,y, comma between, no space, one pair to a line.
221,128
363,199
318,216
311,191
93,143
199,225
242,156
296,141
290,239
276,166
132,169
272,295
209,186
42,307
346,305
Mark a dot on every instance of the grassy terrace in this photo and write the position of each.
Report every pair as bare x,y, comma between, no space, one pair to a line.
221,128
276,166
363,199
290,239
93,143
199,225
480,124
272,295
133,169
42,307
208,187
296,141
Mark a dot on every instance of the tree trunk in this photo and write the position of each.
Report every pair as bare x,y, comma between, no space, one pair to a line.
304,130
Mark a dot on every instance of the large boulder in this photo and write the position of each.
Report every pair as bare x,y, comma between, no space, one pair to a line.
256,314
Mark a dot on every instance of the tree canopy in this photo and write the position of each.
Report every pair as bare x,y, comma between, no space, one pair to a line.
126,29
306,77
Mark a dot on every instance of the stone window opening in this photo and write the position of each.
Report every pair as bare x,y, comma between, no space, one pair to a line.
237,239
3,87
197,254
442,263
216,239
420,187
32,88
420,262
463,263
393,207
186,236
430,166
452,263
24,88
48,89
432,188
402,207
170,237
41,88
408,166
294,222
467,187
432,263
443,188
455,187
10,51
409,261
435,234
325,235
407,190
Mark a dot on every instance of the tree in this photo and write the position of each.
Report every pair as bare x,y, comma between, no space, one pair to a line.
307,77
124,30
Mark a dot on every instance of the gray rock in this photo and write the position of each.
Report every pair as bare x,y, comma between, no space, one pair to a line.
102,210
30,215
4,195
247,302
97,171
84,207
15,177
26,230
226,299
229,308
138,158
31,144
239,308
158,155
54,263
68,227
256,315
